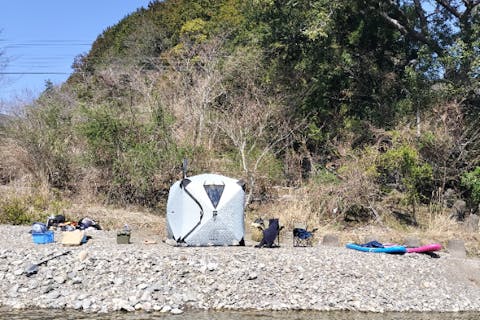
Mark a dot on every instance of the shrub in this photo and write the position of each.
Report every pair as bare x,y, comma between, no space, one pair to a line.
105,134
402,168
471,181
42,135
135,154
15,211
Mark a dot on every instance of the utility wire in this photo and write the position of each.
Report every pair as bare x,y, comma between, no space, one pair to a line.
17,73
39,60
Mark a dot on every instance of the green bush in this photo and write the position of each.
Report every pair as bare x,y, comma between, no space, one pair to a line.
471,181
106,134
43,132
136,154
323,176
403,168
15,211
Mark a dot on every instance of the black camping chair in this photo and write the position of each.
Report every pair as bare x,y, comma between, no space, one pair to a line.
302,237
271,234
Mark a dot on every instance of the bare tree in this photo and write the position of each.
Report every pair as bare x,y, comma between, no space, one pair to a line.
257,129
195,82
252,116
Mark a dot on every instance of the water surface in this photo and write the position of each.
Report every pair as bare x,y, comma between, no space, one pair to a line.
201,315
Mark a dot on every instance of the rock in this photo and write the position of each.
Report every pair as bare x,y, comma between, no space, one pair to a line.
86,304
371,237
19,272
146,296
212,266
357,214
127,307
166,308
456,248
252,276
330,240
13,291
77,280
412,242
82,255
59,279
142,286
171,242
53,295
47,289
164,278
471,223
17,262
82,296
405,217
154,287
19,305
449,197
459,210
147,307
133,300
176,311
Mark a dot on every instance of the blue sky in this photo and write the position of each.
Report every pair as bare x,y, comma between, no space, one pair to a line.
44,36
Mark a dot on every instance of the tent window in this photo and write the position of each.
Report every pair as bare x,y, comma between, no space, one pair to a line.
214,193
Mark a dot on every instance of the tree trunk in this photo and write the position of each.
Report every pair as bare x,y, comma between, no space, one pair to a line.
418,122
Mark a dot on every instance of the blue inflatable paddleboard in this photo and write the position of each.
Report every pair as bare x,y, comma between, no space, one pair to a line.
392,249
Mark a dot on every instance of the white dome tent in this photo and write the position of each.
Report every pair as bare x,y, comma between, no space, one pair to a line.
207,209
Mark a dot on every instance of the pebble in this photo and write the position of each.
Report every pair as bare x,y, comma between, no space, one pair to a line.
82,255
18,272
176,311
169,279
166,308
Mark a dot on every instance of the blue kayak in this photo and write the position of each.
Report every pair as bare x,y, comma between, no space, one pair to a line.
392,249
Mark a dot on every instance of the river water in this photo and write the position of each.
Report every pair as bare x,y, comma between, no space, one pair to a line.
200,315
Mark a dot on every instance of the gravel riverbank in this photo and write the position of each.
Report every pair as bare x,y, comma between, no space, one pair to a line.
102,276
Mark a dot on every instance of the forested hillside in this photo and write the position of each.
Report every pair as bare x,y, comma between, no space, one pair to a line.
336,112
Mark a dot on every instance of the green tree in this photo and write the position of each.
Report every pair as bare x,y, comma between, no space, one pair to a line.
339,62
446,34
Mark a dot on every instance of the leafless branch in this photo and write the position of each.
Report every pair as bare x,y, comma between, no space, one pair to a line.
421,15
401,24
454,11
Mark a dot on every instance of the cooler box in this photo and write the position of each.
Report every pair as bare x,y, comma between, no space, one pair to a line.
43,237
123,237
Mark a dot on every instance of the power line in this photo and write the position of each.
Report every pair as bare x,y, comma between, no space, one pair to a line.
45,45
17,73
50,41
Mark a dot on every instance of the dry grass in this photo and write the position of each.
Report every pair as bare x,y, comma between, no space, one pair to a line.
293,207
319,204
41,202
434,227
15,163
322,204
111,218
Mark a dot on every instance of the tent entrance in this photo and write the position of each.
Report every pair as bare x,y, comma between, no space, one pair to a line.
214,192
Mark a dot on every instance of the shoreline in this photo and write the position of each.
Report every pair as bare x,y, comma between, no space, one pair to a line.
102,276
